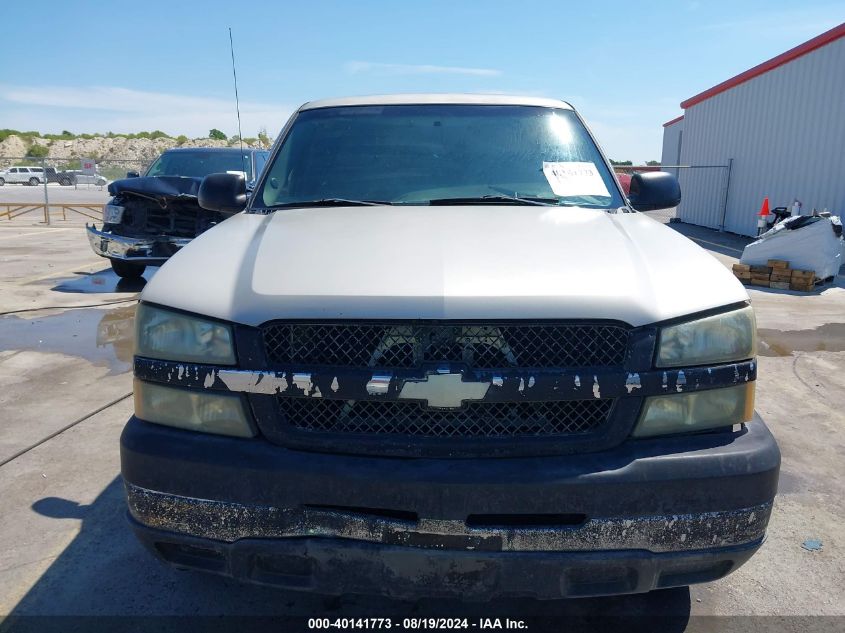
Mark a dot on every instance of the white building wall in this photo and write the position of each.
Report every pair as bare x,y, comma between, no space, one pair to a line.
785,131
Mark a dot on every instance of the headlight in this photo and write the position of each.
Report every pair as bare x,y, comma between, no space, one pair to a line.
689,412
172,336
209,412
721,338
112,213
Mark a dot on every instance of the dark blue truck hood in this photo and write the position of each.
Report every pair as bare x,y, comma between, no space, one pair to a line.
158,186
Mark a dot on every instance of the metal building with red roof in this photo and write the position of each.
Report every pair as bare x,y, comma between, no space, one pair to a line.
779,126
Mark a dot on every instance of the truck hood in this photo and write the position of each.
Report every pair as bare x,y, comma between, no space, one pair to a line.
158,186
449,262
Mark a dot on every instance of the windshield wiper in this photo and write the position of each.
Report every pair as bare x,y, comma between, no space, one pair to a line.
497,199
327,202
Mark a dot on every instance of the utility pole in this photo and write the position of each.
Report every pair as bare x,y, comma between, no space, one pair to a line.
46,195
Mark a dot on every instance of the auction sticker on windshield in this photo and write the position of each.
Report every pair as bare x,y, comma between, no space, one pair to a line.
574,179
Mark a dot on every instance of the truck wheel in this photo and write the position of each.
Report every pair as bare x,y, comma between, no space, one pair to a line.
127,270
2,182
33,181
65,182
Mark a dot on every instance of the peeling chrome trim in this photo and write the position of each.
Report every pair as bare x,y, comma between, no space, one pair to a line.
303,381
115,246
511,386
379,384
229,522
633,382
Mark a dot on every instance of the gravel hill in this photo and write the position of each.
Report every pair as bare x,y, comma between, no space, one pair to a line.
103,149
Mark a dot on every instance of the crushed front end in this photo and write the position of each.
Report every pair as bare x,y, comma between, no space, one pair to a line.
410,458
149,219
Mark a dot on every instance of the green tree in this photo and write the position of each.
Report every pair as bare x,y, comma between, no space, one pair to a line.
620,162
181,139
263,137
653,163
6,133
216,134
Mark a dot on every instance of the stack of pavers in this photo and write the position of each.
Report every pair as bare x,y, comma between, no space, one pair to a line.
776,274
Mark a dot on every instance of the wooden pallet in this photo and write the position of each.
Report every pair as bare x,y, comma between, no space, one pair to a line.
777,274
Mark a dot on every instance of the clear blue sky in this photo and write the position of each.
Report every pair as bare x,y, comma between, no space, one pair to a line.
131,66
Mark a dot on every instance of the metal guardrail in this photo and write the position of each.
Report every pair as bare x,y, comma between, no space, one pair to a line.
11,210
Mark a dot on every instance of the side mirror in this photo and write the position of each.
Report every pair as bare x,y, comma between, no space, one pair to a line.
225,193
653,190
133,174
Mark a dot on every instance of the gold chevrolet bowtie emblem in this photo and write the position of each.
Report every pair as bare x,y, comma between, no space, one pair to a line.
443,390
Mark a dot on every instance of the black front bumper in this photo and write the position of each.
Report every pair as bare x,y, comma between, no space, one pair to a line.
340,566
646,514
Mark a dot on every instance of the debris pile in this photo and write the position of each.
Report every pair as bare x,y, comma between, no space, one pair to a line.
810,243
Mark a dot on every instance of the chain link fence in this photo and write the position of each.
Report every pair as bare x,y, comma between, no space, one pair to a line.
704,192
70,171
60,191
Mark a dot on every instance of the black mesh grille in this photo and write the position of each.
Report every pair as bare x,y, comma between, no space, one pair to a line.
479,419
481,346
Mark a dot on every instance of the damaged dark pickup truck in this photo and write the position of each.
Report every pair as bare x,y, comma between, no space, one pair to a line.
150,218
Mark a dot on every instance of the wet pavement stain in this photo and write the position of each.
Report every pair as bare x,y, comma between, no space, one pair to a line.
103,337
830,337
104,281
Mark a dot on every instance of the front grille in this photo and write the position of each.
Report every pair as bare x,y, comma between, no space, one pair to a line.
179,223
177,218
475,420
479,346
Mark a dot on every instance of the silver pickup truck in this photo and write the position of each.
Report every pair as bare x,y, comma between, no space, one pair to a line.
441,352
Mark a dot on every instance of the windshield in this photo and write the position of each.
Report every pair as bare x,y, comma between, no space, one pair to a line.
430,154
198,164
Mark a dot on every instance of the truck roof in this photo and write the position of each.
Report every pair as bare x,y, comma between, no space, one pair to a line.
438,99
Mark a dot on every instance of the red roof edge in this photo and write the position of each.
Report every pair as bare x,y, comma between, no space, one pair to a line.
673,121
784,58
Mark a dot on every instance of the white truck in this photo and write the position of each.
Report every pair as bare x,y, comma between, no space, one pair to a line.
439,351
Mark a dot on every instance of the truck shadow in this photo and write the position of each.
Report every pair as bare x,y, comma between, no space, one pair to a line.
725,243
103,281
104,571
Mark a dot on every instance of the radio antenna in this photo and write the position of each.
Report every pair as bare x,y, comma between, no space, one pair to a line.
237,101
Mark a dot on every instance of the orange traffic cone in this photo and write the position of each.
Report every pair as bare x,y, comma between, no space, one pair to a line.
762,216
